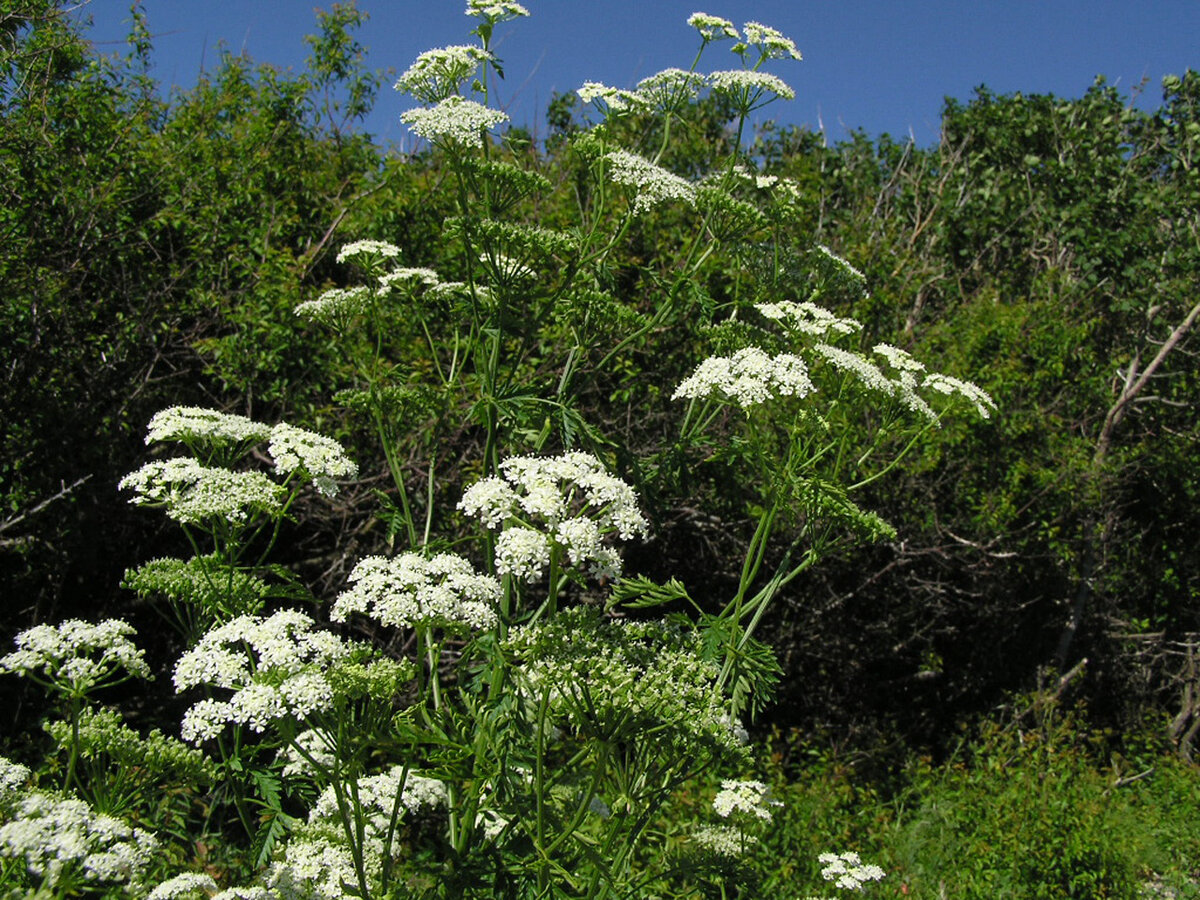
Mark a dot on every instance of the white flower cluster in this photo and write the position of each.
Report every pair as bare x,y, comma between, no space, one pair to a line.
55,836
615,99
496,10
848,871
192,493
748,377
568,501
748,797
368,249
712,28
807,318
309,746
507,268
322,459
724,840
945,384
746,85
454,120
186,885
668,89
402,276
857,365
317,865
653,184
437,74
770,42
335,305
378,795
906,384
276,667
407,590
192,423
12,776
76,655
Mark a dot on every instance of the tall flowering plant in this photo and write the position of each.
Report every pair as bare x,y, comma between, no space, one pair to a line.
489,706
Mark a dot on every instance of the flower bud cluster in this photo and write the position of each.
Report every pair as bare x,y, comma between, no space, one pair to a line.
624,680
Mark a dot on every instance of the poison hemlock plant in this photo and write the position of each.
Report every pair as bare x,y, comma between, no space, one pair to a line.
494,709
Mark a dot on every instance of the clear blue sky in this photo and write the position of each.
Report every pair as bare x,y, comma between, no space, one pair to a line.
878,65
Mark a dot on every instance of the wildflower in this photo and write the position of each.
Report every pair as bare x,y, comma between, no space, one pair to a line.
723,840
858,366
749,797
746,86
771,44
747,378
322,459
566,501
615,99
192,423
77,656
317,863
187,884
310,746
437,74
840,263
454,120
193,493
276,666
522,553
712,28
377,794
407,590
670,88
653,184
398,277
369,250
335,304
12,776
807,318
944,384
496,10
848,871
55,836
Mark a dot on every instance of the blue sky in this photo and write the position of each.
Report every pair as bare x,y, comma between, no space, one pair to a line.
878,65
